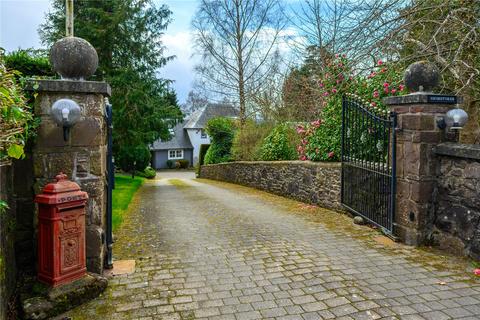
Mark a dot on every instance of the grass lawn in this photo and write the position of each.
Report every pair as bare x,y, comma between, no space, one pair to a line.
125,188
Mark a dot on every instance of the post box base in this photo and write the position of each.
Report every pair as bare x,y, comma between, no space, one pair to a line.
58,281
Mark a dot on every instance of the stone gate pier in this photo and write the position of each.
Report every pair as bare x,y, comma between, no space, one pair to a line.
438,179
82,157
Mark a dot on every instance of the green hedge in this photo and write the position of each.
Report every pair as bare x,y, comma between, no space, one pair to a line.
221,132
203,152
30,62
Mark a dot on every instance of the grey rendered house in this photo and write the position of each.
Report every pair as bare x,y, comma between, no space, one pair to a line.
188,136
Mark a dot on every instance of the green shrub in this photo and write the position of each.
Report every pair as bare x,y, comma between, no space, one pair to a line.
170,164
150,173
30,62
17,123
279,144
131,158
183,164
221,132
248,141
202,153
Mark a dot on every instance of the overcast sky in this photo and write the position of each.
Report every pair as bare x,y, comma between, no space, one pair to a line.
20,19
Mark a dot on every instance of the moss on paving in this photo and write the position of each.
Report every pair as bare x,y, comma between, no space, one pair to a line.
125,189
179,183
428,257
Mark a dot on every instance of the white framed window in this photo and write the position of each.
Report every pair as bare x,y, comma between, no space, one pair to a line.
203,134
175,154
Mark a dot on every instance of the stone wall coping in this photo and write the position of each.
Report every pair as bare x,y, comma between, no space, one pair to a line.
285,162
70,86
422,98
469,151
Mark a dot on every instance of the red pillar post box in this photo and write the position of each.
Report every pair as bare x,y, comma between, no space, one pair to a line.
61,232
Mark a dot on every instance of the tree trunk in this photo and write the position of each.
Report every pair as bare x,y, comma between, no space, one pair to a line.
241,79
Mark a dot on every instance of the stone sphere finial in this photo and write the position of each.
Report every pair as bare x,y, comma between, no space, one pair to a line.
74,58
421,76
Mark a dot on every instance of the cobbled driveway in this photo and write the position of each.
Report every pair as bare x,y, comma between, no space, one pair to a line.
211,250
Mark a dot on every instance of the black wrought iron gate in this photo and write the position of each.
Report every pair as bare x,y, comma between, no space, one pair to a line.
368,162
110,184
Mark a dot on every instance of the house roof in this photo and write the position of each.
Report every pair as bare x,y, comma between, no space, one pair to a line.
199,118
179,140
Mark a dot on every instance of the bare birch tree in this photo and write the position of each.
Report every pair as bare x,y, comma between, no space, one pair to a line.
237,40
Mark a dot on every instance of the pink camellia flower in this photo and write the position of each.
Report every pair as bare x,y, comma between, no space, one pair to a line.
371,75
380,62
331,154
393,91
476,272
386,85
375,94
321,85
340,64
373,104
334,90
385,89
325,94
344,55
300,129
401,87
316,123
304,142
303,157
336,55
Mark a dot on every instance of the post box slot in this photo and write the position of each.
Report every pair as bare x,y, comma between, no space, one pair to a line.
68,208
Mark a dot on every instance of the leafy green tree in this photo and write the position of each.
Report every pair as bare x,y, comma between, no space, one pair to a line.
127,35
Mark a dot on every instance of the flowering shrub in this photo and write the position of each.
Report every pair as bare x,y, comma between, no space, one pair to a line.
383,81
321,140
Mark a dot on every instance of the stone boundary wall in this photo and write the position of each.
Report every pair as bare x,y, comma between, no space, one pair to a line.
456,225
312,182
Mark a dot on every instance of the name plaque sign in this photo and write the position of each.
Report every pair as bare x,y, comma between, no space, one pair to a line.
442,99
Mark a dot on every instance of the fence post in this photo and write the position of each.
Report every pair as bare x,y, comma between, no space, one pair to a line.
417,135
